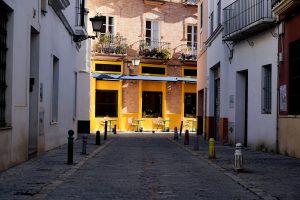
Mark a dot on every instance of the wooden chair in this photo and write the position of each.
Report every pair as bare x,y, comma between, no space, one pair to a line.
186,124
158,123
132,123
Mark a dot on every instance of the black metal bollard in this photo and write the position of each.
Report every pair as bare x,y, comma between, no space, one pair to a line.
98,140
115,129
84,144
181,128
196,143
105,130
186,138
199,125
175,134
70,147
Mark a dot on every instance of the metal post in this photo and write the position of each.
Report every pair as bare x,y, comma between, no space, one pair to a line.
186,138
181,128
84,144
238,157
105,130
211,148
115,129
98,140
196,143
175,134
70,147
199,125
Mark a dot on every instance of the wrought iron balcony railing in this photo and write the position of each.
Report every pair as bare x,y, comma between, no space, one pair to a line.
154,49
244,18
188,53
111,44
275,2
190,2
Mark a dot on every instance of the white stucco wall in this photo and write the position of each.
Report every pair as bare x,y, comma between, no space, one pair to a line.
261,127
54,39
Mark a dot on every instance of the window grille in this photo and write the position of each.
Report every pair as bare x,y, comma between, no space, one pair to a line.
80,9
266,89
3,49
211,22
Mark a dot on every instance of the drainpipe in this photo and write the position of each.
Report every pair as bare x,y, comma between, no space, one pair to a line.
278,92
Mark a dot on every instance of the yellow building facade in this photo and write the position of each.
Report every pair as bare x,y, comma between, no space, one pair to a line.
160,92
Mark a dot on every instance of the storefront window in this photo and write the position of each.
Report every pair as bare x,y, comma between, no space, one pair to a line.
106,103
152,104
190,105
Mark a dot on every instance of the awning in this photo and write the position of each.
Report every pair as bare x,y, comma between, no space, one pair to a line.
150,78
106,76
144,78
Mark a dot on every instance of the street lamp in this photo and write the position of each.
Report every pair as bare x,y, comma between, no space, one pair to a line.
97,22
136,61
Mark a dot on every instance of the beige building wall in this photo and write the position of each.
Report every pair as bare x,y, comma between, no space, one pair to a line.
131,15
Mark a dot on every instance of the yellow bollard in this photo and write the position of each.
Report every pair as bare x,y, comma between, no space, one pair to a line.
211,148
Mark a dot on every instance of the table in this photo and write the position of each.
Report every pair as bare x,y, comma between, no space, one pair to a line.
110,122
193,121
138,124
165,120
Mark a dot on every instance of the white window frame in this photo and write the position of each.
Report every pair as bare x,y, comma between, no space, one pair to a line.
106,25
152,30
193,34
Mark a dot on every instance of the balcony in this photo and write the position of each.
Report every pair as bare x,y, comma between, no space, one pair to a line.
190,2
188,53
154,2
111,45
243,19
282,7
156,50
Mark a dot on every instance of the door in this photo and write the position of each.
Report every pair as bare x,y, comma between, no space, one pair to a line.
33,94
217,108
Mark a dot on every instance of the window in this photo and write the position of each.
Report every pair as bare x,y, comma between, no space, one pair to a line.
80,10
211,23
55,88
108,68
106,103
219,12
75,96
192,36
266,89
294,78
3,49
201,15
152,33
108,26
189,72
190,105
153,70
152,104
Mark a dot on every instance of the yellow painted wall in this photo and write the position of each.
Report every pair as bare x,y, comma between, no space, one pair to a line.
122,119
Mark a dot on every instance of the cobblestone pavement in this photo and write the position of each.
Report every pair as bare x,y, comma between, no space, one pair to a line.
151,166
271,176
147,166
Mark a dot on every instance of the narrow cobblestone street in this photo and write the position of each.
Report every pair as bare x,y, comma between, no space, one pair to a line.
145,166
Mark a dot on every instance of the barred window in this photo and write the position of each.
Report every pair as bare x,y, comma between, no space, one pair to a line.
3,49
80,9
266,89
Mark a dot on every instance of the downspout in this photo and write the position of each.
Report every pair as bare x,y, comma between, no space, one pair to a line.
278,92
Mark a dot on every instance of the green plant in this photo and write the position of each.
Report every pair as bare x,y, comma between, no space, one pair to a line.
166,54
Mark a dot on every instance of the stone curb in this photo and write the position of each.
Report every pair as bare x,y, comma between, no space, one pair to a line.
260,193
55,183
